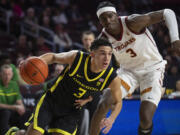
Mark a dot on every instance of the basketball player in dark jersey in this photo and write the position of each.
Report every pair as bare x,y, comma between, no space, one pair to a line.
85,75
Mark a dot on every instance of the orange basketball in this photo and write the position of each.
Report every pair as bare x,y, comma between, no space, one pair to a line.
33,71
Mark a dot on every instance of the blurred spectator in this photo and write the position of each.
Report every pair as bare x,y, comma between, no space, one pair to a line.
121,10
5,59
23,47
10,99
46,22
31,19
87,38
5,4
62,2
176,93
171,79
74,14
62,39
41,47
57,70
169,63
18,12
60,16
30,16
47,12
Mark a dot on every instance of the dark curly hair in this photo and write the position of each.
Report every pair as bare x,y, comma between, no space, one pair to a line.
100,42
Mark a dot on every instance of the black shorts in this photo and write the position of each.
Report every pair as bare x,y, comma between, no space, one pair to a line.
44,116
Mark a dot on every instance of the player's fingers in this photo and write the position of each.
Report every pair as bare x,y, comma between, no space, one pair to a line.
106,122
102,123
106,130
78,100
78,106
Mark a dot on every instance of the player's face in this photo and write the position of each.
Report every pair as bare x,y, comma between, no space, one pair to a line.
109,20
6,75
87,40
102,57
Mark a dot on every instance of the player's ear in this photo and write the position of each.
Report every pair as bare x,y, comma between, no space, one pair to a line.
92,54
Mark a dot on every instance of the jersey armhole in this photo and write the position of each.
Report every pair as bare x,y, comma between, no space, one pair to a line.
137,33
112,77
76,63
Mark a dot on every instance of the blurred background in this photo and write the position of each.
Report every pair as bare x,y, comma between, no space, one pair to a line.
35,27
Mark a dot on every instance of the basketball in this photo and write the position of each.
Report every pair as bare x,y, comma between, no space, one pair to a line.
33,71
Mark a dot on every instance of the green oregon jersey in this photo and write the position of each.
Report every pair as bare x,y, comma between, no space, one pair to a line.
9,95
78,82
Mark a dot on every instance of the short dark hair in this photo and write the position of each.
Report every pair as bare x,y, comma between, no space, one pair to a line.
88,32
100,42
105,4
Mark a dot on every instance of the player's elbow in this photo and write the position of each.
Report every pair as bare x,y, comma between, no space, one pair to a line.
168,12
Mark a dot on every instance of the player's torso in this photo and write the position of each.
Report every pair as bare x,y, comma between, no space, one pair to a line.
79,83
134,51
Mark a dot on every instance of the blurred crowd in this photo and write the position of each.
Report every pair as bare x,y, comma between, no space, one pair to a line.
68,20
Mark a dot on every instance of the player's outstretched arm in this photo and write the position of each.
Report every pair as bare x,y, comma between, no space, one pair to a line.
106,123
111,97
138,23
62,58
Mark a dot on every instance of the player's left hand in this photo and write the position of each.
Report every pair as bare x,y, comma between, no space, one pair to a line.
176,47
81,102
106,125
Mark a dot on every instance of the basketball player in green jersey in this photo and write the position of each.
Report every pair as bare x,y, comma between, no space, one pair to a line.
85,75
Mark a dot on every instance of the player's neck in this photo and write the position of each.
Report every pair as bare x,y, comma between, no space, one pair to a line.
115,33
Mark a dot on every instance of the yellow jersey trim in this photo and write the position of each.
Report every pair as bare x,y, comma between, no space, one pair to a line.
56,130
10,94
85,71
35,123
110,72
28,122
58,80
79,62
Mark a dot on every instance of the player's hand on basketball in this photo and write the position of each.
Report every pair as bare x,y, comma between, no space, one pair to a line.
176,47
106,125
21,63
81,102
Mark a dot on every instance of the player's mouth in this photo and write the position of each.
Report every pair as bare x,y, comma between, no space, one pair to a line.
105,64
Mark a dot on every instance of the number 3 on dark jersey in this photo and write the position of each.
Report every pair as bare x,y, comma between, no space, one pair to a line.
80,93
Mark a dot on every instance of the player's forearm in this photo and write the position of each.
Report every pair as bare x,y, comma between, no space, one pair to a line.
48,58
116,110
171,22
98,115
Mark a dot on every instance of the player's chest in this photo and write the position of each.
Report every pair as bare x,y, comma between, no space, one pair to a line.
129,45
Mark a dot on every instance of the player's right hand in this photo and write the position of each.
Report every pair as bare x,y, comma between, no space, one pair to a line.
81,102
106,125
21,63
